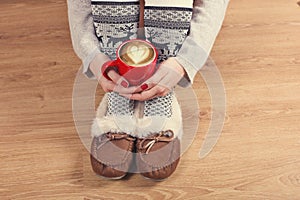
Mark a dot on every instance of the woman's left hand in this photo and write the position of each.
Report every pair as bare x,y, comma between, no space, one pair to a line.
168,74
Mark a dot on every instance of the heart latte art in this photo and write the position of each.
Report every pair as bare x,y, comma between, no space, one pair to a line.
136,53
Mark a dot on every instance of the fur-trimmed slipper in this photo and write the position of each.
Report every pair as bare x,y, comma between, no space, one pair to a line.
111,154
158,145
112,146
155,124
158,155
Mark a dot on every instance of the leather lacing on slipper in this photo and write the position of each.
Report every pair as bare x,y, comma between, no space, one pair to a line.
163,136
114,136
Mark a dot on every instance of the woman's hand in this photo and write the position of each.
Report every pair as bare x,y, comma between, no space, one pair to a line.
117,83
161,83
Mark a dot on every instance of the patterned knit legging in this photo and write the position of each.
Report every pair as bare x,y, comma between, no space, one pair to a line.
166,27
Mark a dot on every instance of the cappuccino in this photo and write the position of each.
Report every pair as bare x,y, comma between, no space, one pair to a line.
136,61
137,53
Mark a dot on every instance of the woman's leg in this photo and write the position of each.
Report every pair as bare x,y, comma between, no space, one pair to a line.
114,22
166,27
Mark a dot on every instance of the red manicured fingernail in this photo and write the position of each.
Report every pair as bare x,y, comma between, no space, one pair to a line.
144,86
124,84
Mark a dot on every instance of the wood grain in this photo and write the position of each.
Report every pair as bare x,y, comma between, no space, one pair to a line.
257,156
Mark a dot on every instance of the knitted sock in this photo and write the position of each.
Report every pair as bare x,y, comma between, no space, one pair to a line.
114,23
166,26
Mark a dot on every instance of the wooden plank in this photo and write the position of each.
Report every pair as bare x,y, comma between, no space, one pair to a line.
257,156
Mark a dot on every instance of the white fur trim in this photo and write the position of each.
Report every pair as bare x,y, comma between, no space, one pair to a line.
138,127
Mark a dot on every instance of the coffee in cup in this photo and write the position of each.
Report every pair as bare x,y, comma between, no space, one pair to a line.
137,53
136,61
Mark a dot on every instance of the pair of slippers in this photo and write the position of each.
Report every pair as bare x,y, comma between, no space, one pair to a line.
148,140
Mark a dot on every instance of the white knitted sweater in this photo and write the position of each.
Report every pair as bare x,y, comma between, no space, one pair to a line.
208,16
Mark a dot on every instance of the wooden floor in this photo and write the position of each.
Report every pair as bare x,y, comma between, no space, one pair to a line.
256,157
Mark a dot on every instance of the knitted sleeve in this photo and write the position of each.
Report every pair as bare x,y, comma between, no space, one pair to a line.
208,16
84,40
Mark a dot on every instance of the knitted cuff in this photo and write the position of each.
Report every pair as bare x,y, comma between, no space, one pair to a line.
161,114
139,126
108,120
118,105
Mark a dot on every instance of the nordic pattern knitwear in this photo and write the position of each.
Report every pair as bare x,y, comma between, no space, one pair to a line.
207,19
119,105
114,23
166,28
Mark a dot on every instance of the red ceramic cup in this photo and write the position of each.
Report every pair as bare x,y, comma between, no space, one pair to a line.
136,61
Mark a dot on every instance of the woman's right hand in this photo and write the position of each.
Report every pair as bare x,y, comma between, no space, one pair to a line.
117,83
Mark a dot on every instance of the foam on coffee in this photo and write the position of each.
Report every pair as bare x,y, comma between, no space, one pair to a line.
137,53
